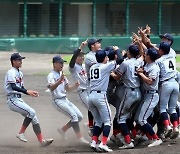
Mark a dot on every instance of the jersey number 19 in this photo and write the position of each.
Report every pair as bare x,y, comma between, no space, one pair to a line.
95,73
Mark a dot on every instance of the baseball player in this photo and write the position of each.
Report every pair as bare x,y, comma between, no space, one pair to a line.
114,89
14,86
127,72
98,104
169,89
58,85
93,45
150,78
78,73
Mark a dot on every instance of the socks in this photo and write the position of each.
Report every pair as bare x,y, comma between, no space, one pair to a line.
37,131
25,124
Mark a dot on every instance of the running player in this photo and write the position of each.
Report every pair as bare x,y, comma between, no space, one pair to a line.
14,86
98,104
58,85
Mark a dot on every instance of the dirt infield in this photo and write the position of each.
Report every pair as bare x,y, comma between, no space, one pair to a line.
35,69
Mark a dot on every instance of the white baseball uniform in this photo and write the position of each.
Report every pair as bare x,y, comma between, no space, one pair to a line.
98,105
60,101
79,74
14,100
169,88
151,96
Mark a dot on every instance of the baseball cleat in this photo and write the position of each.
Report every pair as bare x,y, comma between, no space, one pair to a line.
114,139
46,142
82,140
104,148
127,146
174,133
21,137
155,143
93,145
168,131
62,133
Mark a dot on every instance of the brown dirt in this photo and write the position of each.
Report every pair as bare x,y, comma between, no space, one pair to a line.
35,68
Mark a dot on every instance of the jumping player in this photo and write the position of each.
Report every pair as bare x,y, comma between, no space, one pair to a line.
98,104
14,86
58,85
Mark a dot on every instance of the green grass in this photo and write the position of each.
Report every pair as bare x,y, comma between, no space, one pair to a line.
67,57
178,59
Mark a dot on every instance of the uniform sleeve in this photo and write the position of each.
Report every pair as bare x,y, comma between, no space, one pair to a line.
11,77
90,61
111,65
122,68
50,79
66,81
71,70
154,73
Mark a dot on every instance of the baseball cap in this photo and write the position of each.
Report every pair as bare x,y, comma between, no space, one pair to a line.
153,53
165,47
93,41
167,36
58,58
111,52
16,56
134,50
100,55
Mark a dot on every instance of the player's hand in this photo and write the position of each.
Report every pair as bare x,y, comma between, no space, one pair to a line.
123,53
115,48
61,78
83,44
148,29
32,93
77,83
139,71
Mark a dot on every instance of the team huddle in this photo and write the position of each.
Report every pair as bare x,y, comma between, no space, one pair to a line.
142,84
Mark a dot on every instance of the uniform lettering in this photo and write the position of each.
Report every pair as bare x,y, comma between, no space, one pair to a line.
171,65
95,73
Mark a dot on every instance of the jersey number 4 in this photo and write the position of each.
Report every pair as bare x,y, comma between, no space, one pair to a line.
171,65
95,73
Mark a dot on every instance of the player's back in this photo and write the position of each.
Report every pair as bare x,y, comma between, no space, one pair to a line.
99,75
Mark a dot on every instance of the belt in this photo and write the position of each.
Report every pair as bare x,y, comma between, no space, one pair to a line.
15,95
98,91
132,89
151,91
82,90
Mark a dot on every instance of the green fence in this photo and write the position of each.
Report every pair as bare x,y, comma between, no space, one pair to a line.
67,45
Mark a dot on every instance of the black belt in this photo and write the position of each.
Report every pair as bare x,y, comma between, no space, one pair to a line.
98,91
151,91
132,89
15,95
82,90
